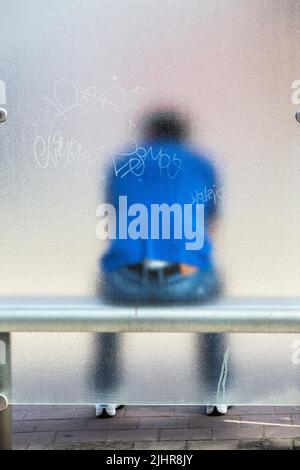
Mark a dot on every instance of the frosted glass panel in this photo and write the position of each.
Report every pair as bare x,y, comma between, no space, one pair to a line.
127,368
78,75
75,77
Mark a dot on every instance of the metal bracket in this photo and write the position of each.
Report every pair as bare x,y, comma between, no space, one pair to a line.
3,402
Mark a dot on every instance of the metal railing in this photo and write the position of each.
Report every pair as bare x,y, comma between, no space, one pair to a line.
88,315
84,315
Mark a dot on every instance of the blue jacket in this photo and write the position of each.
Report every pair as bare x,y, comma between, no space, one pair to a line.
160,172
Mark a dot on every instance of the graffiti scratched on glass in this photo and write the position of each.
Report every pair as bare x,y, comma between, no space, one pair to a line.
136,160
71,105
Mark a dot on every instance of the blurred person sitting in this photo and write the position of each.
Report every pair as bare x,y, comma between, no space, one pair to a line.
162,265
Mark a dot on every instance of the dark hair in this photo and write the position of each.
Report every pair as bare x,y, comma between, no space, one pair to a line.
167,124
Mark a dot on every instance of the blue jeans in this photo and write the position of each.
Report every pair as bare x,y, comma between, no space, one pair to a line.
127,286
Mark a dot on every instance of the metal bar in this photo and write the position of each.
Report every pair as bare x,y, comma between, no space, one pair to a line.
235,317
5,393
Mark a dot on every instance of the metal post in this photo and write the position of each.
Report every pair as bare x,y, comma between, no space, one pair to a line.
5,392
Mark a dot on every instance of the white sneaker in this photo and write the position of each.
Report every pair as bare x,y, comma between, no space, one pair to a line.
99,409
106,409
216,410
111,410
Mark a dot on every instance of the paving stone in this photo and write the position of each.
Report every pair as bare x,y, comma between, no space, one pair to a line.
253,425
139,427
84,446
160,445
24,426
295,419
119,445
266,444
184,434
18,415
272,444
296,444
20,447
251,444
250,410
22,438
113,423
189,410
61,424
279,419
53,413
132,435
286,409
241,433
163,422
282,431
40,447
81,436
87,412
213,445
213,421
141,411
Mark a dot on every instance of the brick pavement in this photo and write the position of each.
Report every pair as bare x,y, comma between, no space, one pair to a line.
156,427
